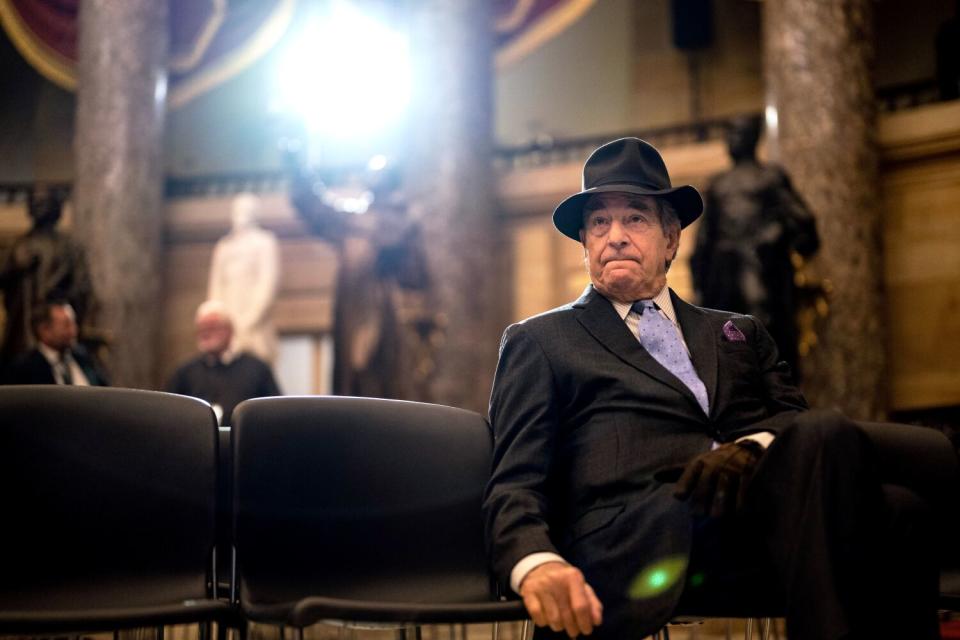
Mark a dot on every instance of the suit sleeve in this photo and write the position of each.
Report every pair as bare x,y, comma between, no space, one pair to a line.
525,420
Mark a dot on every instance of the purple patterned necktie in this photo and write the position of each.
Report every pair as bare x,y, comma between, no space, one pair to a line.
659,337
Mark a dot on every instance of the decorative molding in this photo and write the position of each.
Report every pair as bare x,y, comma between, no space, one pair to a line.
923,132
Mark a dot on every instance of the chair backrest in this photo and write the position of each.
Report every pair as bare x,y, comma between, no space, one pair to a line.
361,499
108,498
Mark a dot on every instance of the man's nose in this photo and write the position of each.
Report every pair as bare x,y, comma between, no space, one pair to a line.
617,236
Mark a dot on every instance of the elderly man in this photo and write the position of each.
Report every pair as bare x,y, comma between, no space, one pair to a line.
56,358
651,456
218,375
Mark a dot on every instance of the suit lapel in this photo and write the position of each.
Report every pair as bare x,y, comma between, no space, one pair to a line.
601,320
702,343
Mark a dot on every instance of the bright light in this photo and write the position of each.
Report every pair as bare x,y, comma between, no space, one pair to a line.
377,163
772,119
346,75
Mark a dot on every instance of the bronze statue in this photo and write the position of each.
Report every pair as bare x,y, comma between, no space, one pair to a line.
754,222
42,265
383,327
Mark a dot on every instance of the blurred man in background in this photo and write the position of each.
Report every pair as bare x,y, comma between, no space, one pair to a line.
56,358
219,375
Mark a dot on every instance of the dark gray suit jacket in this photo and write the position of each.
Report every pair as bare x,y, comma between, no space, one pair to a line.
583,417
33,368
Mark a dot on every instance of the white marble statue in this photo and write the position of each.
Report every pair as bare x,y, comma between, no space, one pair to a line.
243,277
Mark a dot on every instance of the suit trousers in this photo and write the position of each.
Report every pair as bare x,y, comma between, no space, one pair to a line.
820,540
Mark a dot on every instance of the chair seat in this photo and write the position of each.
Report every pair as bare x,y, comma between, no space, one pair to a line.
362,510
112,496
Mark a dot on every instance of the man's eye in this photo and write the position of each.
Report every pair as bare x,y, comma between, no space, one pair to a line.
599,221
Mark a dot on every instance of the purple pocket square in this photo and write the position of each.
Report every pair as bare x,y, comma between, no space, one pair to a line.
732,334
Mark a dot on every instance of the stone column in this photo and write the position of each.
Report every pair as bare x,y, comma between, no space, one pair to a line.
451,184
817,62
118,191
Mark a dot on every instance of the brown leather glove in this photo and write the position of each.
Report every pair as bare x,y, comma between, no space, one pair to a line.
715,482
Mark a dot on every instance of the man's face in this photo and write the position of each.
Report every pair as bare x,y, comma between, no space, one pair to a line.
625,246
60,332
45,207
213,334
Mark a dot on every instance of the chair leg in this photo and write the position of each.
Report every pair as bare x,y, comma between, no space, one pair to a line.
748,630
765,629
526,632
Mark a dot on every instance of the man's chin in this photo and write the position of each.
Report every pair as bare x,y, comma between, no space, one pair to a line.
626,288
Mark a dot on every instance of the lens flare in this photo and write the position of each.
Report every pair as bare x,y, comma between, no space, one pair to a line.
657,578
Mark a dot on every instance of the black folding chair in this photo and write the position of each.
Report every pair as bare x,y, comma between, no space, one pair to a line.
362,511
108,506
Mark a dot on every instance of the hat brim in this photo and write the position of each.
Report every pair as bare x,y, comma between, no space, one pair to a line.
568,216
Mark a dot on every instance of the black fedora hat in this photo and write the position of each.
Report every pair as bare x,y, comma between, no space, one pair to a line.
627,165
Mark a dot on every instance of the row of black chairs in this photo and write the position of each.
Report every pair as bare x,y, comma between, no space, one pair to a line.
117,502
349,509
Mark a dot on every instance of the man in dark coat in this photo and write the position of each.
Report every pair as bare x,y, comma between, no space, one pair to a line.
56,358
651,456
218,375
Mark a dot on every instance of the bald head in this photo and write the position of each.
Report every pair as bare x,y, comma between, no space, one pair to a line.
214,328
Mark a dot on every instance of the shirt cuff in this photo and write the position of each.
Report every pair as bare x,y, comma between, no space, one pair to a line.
763,438
528,564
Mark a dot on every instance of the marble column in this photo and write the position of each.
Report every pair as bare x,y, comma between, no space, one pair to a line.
118,148
817,62
451,184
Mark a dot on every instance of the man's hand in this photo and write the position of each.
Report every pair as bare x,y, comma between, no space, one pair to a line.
713,480
556,595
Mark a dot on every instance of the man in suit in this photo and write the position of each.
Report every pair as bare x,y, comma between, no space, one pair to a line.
220,375
57,358
651,456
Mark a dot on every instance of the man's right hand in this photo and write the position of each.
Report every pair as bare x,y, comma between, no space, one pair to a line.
556,595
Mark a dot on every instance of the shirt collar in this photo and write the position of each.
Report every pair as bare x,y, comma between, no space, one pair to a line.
52,355
662,300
